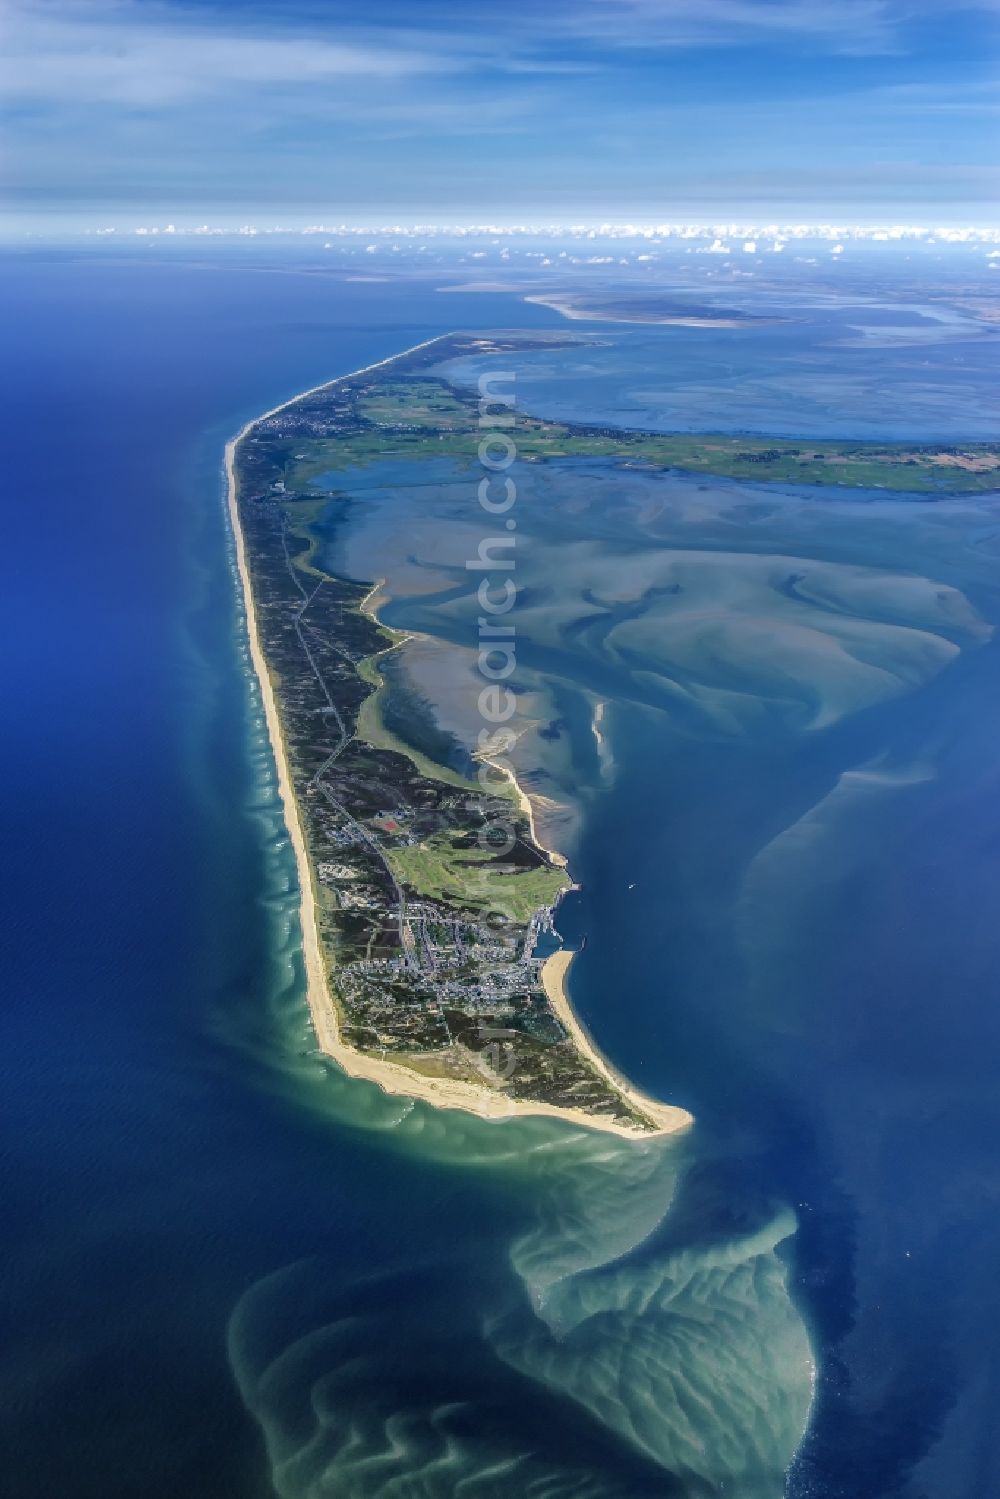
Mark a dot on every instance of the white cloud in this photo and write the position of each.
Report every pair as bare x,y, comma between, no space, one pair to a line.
857,27
754,238
149,56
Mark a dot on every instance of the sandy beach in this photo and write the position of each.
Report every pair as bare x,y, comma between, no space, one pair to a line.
526,805
393,1077
667,1117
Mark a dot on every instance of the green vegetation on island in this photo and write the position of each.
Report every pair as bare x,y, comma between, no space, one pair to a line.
421,417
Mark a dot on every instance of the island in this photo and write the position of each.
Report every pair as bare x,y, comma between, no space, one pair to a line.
421,941
432,963
613,307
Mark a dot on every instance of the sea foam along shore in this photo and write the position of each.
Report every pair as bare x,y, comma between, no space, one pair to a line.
393,1077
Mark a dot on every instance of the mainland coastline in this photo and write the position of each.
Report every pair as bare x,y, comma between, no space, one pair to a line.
649,1116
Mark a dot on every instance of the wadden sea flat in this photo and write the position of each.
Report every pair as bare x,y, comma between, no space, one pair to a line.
759,721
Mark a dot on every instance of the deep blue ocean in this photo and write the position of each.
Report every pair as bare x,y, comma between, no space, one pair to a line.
225,1272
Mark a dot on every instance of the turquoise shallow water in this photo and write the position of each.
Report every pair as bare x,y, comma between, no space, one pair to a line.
227,1270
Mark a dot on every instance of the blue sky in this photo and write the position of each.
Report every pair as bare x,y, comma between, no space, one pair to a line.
547,109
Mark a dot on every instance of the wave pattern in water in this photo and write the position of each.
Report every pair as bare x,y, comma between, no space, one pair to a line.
608,1355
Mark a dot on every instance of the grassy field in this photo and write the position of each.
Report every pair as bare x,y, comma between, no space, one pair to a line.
424,418
462,876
